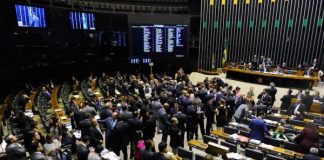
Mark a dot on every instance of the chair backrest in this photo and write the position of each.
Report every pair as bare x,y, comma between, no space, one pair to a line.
274,110
216,149
273,141
244,133
232,147
252,153
207,139
290,130
199,157
230,130
272,157
245,121
284,112
184,153
321,152
273,118
290,146
297,123
308,116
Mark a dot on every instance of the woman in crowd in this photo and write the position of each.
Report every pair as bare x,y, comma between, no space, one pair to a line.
308,138
279,134
221,115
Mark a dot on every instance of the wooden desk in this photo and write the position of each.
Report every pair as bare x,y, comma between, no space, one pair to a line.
289,117
283,151
54,97
198,145
315,114
31,102
260,77
220,134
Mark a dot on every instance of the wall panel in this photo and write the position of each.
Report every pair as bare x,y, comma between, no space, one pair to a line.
288,31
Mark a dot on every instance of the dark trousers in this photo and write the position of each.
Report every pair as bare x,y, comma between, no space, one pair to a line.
165,135
210,121
123,149
108,143
201,126
190,131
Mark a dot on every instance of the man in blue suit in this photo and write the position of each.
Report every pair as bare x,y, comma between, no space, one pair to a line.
109,123
258,128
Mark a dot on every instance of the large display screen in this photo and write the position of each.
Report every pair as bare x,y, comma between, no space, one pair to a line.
159,40
82,20
28,16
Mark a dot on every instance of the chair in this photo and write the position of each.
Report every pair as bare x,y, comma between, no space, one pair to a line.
274,110
297,123
230,130
272,157
273,118
290,130
309,116
252,153
245,121
207,139
321,152
290,146
184,153
232,147
199,157
273,141
216,149
284,112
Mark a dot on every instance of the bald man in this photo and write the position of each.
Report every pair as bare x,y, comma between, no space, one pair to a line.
109,123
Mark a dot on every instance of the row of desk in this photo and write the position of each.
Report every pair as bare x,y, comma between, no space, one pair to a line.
32,99
285,80
282,151
56,107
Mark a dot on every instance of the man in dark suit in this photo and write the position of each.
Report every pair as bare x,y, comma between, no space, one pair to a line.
186,101
82,150
210,113
265,98
200,110
85,110
258,128
85,125
120,138
182,121
95,133
298,109
149,127
125,115
307,100
286,100
105,112
272,92
112,88
135,131
163,121
109,124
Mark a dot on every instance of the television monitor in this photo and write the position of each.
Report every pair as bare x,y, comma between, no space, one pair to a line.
158,41
82,20
30,16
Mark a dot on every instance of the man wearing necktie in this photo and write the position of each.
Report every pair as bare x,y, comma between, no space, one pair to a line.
297,109
109,123
95,134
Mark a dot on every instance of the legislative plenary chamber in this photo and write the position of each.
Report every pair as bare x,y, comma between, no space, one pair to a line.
161,80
